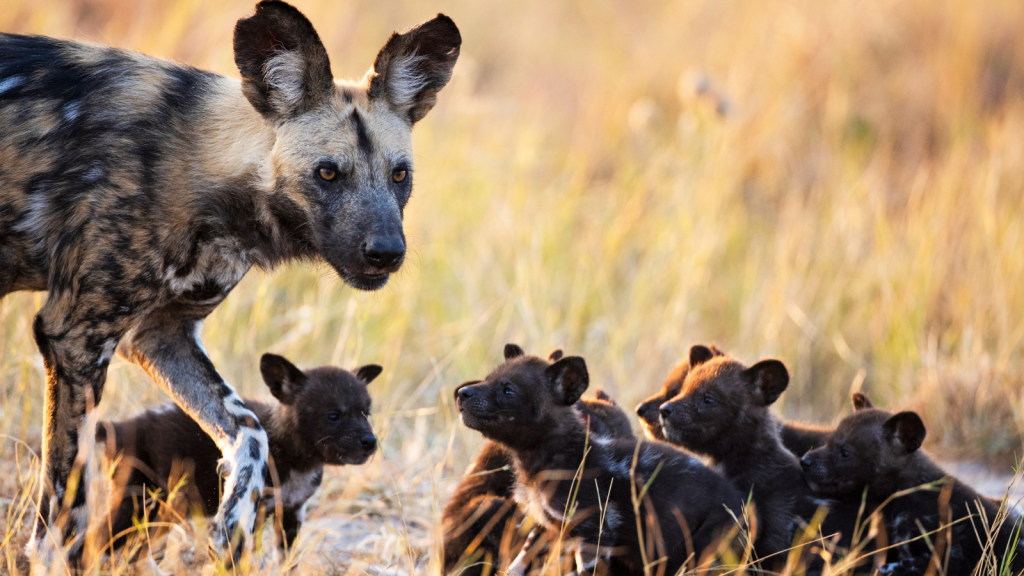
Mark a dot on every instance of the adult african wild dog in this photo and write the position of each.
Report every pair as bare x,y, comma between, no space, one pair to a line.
320,419
138,192
633,502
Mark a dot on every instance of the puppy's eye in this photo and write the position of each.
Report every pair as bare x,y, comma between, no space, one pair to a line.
333,416
844,453
708,399
398,176
328,174
508,391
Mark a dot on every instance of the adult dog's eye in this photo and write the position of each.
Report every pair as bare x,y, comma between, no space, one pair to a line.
333,416
844,452
328,174
508,391
708,399
398,176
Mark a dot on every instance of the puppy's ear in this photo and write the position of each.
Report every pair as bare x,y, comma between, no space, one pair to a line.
414,65
602,395
569,379
769,378
282,377
367,373
700,354
904,431
556,355
284,66
861,401
512,351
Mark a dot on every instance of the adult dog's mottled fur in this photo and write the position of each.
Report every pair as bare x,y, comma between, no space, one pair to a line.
320,420
137,192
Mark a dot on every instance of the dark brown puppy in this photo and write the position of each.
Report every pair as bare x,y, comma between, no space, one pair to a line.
587,486
722,412
483,526
876,453
321,420
797,437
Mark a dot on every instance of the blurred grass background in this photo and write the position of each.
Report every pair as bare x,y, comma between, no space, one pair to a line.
836,184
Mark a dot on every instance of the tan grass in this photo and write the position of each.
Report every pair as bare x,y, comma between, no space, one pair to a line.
838,184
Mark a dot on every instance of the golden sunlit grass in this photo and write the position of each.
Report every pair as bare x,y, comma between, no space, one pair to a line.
836,184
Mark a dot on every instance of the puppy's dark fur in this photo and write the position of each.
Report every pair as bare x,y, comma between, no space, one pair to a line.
797,437
483,507
876,453
320,420
722,411
526,405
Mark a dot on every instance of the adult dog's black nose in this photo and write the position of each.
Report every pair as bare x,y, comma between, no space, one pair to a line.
641,409
805,462
384,251
368,441
666,411
465,393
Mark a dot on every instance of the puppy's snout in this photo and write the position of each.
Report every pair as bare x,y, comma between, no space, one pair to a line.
464,393
806,463
368,442
643,409
667,410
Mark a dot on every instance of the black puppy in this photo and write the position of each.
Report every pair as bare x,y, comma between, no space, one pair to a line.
321,420
877,454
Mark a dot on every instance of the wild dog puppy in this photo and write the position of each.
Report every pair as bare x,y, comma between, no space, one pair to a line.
723,412
137,192
797,437
876,455
483,508
320,420
587,486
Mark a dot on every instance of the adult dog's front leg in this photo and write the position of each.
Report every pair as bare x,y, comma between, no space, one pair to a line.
170,350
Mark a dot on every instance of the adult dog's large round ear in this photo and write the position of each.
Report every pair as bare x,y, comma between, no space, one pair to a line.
569,379
283,378
904,431
769,378
512,351
700,354
284,65
861,401
367,373
414,65
556,355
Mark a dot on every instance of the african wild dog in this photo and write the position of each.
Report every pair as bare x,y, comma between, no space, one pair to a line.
797,437
321,419
587,486
723,412
876,455
138,192
482,508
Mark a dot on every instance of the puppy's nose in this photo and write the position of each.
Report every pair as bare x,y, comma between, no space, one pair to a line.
641,409
465,393
383,251
368,441
805,462
666,411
